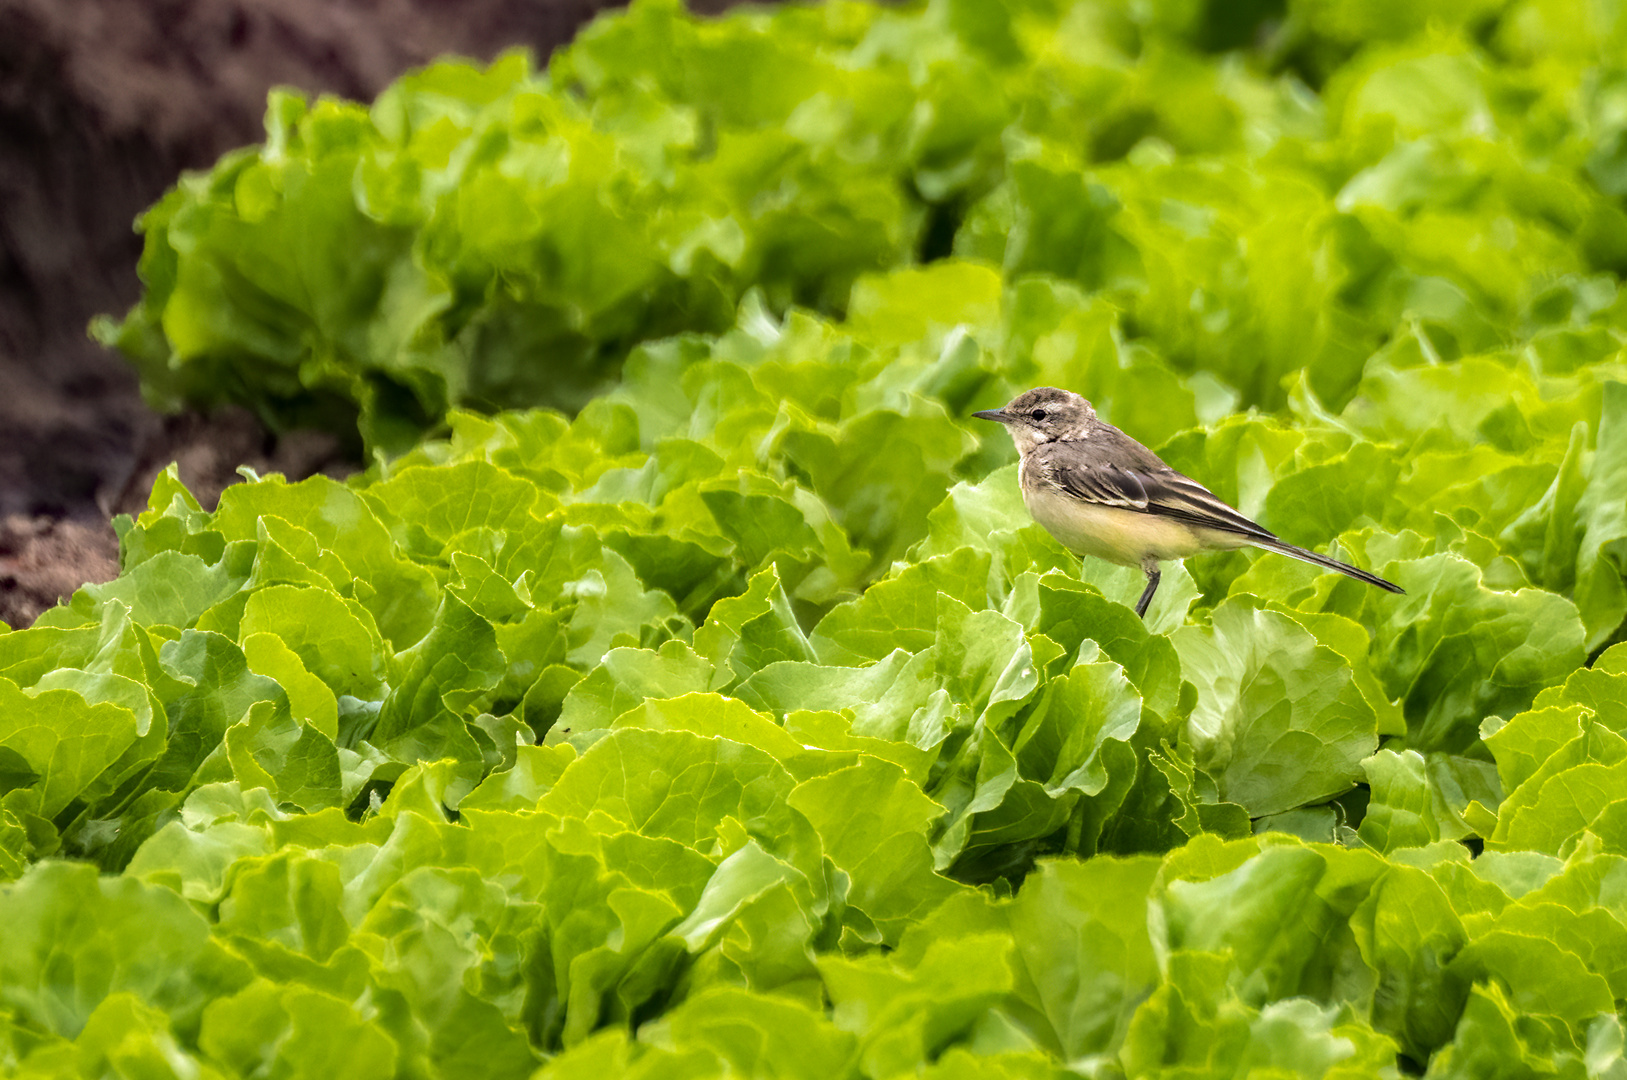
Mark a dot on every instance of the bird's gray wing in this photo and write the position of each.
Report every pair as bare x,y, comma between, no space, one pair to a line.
1105,485
1161,492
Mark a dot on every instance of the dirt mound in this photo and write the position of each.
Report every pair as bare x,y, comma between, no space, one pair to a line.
102,104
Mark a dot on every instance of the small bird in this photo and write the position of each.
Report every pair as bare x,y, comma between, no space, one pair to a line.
1101,493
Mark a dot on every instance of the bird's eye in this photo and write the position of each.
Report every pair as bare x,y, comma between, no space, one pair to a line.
1038,414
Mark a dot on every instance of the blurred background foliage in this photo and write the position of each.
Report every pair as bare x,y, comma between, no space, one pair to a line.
1255,190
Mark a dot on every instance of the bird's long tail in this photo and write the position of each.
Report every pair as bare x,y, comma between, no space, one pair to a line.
1331,564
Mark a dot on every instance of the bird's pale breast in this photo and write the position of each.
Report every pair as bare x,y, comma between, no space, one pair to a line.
1127,537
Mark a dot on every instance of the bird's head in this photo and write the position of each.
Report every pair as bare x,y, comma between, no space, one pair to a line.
1043,414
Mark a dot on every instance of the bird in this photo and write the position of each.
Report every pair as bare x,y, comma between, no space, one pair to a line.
1101,493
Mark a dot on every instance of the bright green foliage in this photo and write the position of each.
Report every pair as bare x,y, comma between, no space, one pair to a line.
657,740
742,722
503,236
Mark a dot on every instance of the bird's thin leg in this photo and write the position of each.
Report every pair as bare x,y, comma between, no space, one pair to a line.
1151,570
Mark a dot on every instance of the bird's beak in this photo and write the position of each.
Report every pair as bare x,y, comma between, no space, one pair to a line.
998,416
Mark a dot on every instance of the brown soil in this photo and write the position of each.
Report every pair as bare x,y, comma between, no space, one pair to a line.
102,104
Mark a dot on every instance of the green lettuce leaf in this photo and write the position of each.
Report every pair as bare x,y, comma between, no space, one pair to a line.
1280,721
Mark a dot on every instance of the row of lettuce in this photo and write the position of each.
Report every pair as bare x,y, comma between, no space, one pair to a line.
724,727
741,721
501,237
